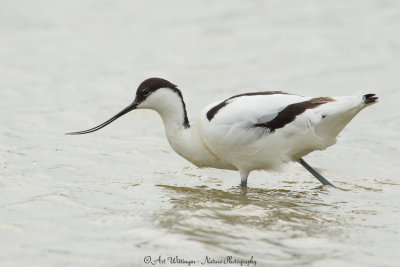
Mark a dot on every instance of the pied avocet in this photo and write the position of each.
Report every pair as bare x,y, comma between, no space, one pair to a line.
251,131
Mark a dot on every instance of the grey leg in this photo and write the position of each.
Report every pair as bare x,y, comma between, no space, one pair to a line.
243,177
320,178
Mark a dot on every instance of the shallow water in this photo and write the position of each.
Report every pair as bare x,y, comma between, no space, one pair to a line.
118,195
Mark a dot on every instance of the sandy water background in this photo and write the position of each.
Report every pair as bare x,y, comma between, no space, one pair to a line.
113,197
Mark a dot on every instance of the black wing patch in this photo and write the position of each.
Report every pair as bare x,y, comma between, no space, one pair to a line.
214,110
289,114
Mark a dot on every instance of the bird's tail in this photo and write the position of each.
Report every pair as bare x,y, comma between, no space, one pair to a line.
370,99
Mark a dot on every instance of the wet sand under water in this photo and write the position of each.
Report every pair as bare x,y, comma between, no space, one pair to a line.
121,194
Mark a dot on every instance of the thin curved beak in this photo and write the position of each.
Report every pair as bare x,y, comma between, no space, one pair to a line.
121,113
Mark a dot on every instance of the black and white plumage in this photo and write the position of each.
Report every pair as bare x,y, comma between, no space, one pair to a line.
252,131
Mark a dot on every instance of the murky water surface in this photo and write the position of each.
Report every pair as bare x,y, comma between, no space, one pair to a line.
121,194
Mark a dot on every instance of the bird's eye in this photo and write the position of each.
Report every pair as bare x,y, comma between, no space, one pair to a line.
324,116
146,92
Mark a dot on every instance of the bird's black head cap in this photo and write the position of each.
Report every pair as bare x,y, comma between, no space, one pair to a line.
147,87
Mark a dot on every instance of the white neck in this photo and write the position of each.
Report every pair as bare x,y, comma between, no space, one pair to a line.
171,108
184,139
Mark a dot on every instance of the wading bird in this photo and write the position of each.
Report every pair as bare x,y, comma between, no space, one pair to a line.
251,131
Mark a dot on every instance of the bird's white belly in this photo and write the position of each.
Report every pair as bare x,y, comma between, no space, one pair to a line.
255,149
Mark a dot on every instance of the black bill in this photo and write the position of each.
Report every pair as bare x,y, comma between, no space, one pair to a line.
121,113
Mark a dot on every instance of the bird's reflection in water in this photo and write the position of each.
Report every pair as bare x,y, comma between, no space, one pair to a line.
246,220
